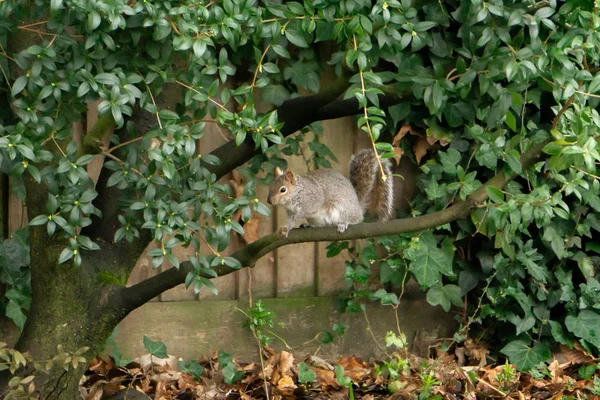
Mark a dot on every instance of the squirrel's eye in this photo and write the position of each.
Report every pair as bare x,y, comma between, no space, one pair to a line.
282,189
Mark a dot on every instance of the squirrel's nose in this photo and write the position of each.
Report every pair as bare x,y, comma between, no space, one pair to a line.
269,200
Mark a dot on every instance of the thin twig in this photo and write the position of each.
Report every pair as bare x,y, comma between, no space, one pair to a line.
259,66
198,92
366,115
137,139
371,332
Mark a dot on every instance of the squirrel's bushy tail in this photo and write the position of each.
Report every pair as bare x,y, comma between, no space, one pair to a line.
376,196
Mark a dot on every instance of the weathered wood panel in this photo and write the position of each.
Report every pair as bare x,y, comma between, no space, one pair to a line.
295,264
339,136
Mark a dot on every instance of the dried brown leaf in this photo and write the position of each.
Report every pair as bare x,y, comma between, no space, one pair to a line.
355,368
420,149
282,365
404,129
573,357
251,228
95,393
326,379
286,385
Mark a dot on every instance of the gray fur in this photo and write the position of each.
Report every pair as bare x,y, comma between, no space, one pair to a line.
325,197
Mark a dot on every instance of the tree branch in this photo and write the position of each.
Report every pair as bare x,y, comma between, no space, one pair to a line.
295,113
137,295
93,140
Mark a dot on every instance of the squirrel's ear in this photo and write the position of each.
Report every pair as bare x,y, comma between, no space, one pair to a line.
289,175
278,172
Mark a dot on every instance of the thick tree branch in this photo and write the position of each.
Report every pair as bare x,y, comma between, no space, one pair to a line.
93,140
295,113
137,295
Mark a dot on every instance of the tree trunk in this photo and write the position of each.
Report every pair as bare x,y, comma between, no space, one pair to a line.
64,311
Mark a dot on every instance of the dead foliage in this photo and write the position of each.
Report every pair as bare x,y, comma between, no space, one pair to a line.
462,373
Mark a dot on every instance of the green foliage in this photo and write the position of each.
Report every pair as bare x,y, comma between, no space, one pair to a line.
259,320
506,378
595,387
156,349
15,275
502,77
231,374
305,373
12,360
587,371
487,81
343,380
429,382
193,368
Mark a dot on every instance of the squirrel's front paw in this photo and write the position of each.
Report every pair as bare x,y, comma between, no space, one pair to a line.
341,228
282,232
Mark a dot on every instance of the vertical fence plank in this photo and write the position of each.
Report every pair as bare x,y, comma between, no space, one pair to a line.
339,136
259,282
295,263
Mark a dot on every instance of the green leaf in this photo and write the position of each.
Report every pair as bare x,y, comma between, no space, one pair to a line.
340,376
468,77
586,326
193,368
14,312
495,194
65,255
156,349
231,373
514,162
19,85
511,121
559,334
445,296
525,357
295,38
428,262
39,220
305,373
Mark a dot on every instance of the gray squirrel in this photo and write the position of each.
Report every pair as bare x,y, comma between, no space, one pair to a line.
327,198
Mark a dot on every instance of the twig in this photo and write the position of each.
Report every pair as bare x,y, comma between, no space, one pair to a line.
371,332
366,115
259,66
137,139
117,159
198,92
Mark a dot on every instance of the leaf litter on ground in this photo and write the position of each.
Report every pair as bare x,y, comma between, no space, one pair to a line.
460,374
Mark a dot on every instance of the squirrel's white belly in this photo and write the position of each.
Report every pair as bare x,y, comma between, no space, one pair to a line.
324,218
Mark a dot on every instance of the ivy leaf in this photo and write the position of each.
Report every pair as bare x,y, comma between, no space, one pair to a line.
157,349
524,357
193,368
14,312
445,296
586,325
231,373
305,373
429,262
559,334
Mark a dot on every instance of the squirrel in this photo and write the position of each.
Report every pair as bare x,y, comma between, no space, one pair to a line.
326,198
